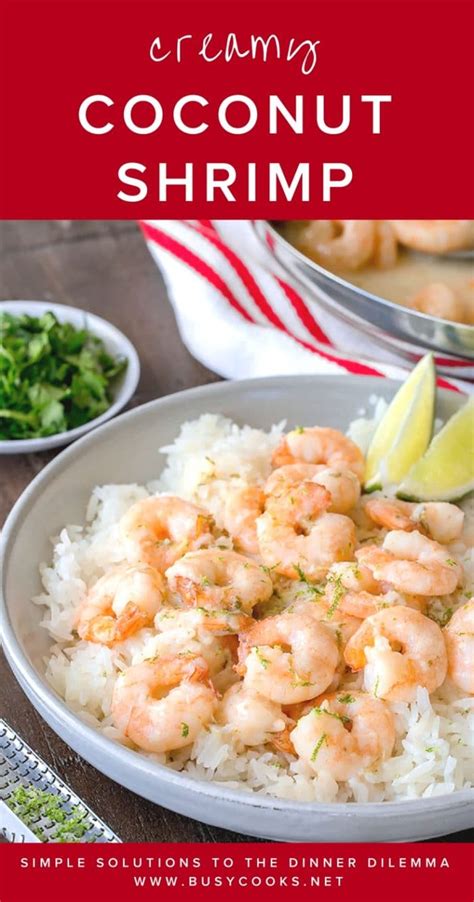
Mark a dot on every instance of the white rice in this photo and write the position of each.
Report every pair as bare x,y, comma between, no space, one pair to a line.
434,746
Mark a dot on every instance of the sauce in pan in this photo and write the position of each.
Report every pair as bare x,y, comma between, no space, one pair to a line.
408,276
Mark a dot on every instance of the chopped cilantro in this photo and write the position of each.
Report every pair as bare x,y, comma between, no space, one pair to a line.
184,730
53,376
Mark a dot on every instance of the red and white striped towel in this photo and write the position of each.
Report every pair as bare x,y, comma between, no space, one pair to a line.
242,317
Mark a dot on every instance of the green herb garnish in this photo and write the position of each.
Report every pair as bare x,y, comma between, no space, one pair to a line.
53,377
346,699
338,593
297,681
263,661
342,717
443,618
317,747
316,590
32,805
184,730
268,570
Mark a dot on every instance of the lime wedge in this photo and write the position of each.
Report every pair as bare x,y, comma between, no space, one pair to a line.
446,471
405,430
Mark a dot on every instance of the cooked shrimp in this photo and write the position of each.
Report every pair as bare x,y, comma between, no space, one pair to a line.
459,636
288,658
438,299
252,717
121,602
342,484
160,529
355,577
320,445
314,231
296,537
399,649
282,741
163,704
182,632
351,589
435,236
442,521
206,622
220,581
344,734
351,246
385,245
412,563
341,624
243,504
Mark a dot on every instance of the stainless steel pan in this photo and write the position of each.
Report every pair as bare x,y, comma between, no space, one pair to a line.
411,333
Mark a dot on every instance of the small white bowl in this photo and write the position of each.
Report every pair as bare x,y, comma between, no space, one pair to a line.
117,345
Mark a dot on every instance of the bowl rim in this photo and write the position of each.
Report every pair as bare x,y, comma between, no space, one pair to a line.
132,761
101,328
391,305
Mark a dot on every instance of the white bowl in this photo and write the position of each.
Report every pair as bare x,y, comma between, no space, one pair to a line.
116,343
126,450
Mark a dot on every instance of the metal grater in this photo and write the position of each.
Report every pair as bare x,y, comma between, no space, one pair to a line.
19,765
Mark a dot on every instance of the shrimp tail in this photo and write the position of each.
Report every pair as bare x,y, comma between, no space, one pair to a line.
130,621
101,628
282,741
187,589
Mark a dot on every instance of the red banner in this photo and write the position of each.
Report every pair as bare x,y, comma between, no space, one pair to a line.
280,110
434,871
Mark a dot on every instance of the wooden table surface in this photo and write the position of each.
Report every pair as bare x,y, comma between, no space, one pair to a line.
103,267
